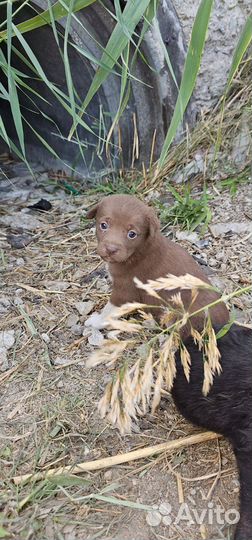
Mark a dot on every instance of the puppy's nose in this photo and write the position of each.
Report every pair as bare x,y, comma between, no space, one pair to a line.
111,249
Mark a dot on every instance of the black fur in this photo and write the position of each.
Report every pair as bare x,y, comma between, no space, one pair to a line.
227,409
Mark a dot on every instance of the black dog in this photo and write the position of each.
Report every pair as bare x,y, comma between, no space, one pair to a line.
227,409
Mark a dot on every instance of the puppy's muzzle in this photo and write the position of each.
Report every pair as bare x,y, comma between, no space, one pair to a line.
111,249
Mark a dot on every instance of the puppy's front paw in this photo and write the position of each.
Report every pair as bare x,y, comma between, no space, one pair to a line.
99,320
96,321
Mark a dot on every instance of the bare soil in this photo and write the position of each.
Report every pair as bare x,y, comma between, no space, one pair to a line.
48,414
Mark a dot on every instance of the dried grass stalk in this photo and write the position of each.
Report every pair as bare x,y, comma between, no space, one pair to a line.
119,458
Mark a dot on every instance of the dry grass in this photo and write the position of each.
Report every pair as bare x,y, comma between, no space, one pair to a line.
48,409
48,416
213,134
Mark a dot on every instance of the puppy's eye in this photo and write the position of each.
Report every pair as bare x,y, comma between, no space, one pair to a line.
132,234
104,226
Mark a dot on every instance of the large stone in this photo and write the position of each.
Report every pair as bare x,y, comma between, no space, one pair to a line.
230,227
20,220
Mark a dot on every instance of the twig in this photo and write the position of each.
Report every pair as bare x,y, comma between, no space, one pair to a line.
119,458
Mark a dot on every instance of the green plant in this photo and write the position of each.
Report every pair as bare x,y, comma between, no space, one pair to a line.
233,182
118,186
115,58
187,211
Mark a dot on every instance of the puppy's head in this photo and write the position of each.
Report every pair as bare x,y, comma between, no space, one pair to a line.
124,225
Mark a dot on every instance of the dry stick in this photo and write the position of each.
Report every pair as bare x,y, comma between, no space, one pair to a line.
119,458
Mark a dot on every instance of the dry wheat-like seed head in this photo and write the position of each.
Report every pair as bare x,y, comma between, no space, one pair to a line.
171,282
109,352
139,381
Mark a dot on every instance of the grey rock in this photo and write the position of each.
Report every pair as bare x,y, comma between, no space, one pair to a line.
20,261
19,241
4,304
192,168
45,337
21,220
60,361
242,144
212,262
200,259
7,338
230,227
152,196
20,195
218,282
77,329
18,301
74,225
56,285
189,236
201,244
84,308
102,285
72,320
87,331
96,338
4,365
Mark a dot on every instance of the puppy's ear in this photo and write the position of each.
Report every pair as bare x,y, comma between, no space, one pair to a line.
92,212
153,222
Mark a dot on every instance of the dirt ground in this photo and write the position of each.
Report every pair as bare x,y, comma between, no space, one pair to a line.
48,400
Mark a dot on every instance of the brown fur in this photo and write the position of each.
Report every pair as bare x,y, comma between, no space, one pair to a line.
149,256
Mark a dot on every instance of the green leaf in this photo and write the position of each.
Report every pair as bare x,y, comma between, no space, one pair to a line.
12,89
33,331
68,480
57,12
36,66
120,502
3,133
241,48
133,12
226,327
190,72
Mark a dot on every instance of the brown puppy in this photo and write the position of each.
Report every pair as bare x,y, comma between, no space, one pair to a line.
129,240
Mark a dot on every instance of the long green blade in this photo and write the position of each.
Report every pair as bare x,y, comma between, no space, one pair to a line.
57,11
12,89
117,42
190,72
241,48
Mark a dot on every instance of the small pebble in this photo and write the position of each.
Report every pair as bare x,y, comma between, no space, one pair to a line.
56,285
45,337
108,475
4,365
96,338
60,361
212,262
7,339
72,320
84,308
